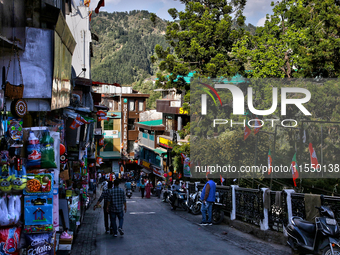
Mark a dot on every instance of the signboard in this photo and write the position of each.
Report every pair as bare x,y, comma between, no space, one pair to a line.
182,111
125,125
186,167
164,142
111,134
115,167
64,45
157,171
146,164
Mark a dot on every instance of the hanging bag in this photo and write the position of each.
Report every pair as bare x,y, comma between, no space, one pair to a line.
14,91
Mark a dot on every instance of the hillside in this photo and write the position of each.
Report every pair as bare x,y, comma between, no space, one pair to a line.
126,42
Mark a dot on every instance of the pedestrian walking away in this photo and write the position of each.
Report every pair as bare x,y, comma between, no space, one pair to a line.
148,188
208,198
115,205
142,187
106,196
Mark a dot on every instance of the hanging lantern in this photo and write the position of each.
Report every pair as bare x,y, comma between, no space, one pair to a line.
62,149
170,173
165,175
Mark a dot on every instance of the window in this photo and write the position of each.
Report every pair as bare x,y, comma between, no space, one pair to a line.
145,135
168,124
140,106
108,125
131,124
152,137
108,144
131,105
130,147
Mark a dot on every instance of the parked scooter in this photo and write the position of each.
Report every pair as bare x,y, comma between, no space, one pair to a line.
321,237
129,193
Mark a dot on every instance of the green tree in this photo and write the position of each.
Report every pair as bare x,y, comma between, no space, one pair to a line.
301,39
202,40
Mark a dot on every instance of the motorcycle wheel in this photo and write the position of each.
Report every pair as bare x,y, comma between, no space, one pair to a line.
328,251
183,205
217,216
196,209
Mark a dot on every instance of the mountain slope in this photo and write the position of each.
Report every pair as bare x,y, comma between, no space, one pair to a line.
126,42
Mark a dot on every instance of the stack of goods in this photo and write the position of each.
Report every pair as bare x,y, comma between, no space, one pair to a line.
38,199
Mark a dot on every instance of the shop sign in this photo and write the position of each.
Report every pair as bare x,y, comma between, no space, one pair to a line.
125,125
182,111
146,164
164,142
111,134
157,171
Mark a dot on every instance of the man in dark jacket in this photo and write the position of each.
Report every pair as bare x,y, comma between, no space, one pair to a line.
208,198
105,195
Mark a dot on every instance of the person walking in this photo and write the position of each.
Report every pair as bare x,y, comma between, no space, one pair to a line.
142,187
159,188
148,188
115,205
208,198
105,195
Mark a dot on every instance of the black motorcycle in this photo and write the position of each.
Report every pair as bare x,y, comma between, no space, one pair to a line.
321,237
133,186
129,193
178,199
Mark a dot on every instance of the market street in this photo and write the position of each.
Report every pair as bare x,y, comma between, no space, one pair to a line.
152,228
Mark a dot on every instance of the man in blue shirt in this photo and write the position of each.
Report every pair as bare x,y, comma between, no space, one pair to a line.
128,184
208,198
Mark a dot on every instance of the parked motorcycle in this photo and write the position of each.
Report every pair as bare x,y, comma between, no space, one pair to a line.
133,186
129,193
321,237
178,199
194,204
166,196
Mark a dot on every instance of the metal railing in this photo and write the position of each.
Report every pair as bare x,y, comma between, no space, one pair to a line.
249,205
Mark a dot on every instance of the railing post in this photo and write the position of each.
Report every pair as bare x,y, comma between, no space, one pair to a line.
233,199
289,207
196,183
264,224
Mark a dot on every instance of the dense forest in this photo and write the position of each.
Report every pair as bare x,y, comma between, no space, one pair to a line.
126,43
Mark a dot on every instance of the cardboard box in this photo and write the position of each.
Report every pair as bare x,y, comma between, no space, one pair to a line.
65,247
66,241
64,175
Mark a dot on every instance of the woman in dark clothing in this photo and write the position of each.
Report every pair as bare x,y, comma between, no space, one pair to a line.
142,187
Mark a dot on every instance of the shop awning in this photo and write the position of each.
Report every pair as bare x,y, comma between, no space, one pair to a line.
160,151
146,171
110,154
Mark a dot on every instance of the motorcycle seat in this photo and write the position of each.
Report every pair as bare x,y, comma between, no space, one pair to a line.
304,225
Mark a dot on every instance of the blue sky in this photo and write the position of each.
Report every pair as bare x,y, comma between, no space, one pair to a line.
255,10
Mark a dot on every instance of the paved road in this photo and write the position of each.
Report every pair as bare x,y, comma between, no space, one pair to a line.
152,228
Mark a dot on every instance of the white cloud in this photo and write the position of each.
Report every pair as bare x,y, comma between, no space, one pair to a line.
260,22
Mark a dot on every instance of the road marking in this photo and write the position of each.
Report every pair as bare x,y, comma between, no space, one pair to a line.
130,201
142,212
